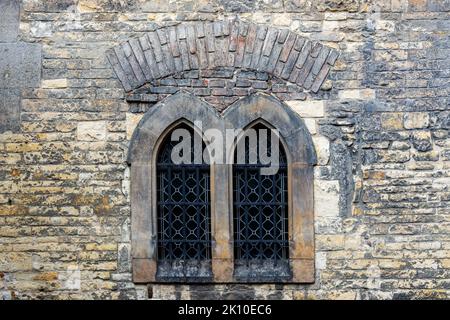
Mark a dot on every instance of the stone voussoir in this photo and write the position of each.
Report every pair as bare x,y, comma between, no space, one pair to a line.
208,45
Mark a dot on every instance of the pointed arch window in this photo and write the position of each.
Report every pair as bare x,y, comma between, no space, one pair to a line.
260,211
183,212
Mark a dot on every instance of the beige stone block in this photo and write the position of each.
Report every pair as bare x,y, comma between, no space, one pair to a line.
353,242
416,120
322,146
326,198
15,261
132,120
335,16
330,25
422,135
342,295
330,241
65,126
392,120
391,264
91,131
101,246
308,109
54,84
282,19
311,125
354,46
86,6
445,263
23,147
357,94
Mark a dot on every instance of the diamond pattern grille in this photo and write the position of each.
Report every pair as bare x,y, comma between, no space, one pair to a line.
183,207
260,210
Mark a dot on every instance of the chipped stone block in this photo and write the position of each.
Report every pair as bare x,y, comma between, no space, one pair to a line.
132,120
91,131
311,125
322,146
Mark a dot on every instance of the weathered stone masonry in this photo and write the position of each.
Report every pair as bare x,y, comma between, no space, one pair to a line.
379,123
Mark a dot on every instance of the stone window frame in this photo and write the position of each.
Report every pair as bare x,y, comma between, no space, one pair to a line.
185,107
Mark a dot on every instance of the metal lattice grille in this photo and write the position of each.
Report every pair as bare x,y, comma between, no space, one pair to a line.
183,214
260,216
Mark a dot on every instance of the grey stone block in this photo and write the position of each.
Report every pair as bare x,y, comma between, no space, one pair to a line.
9,20
9,110
20,65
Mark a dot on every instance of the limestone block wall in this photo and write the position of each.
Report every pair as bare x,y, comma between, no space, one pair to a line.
379,122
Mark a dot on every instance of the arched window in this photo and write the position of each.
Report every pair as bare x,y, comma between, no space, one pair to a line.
260,211
226,222
183,212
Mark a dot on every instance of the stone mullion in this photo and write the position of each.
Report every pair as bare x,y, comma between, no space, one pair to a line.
143,224
221,213
301,220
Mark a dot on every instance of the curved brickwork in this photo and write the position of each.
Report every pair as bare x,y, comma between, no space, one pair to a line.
208,45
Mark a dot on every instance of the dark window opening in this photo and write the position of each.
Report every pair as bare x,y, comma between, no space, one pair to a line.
184,226
260,221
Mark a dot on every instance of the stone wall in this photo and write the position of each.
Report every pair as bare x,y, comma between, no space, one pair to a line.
379,123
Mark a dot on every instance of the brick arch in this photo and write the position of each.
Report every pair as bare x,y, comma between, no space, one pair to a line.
186,46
